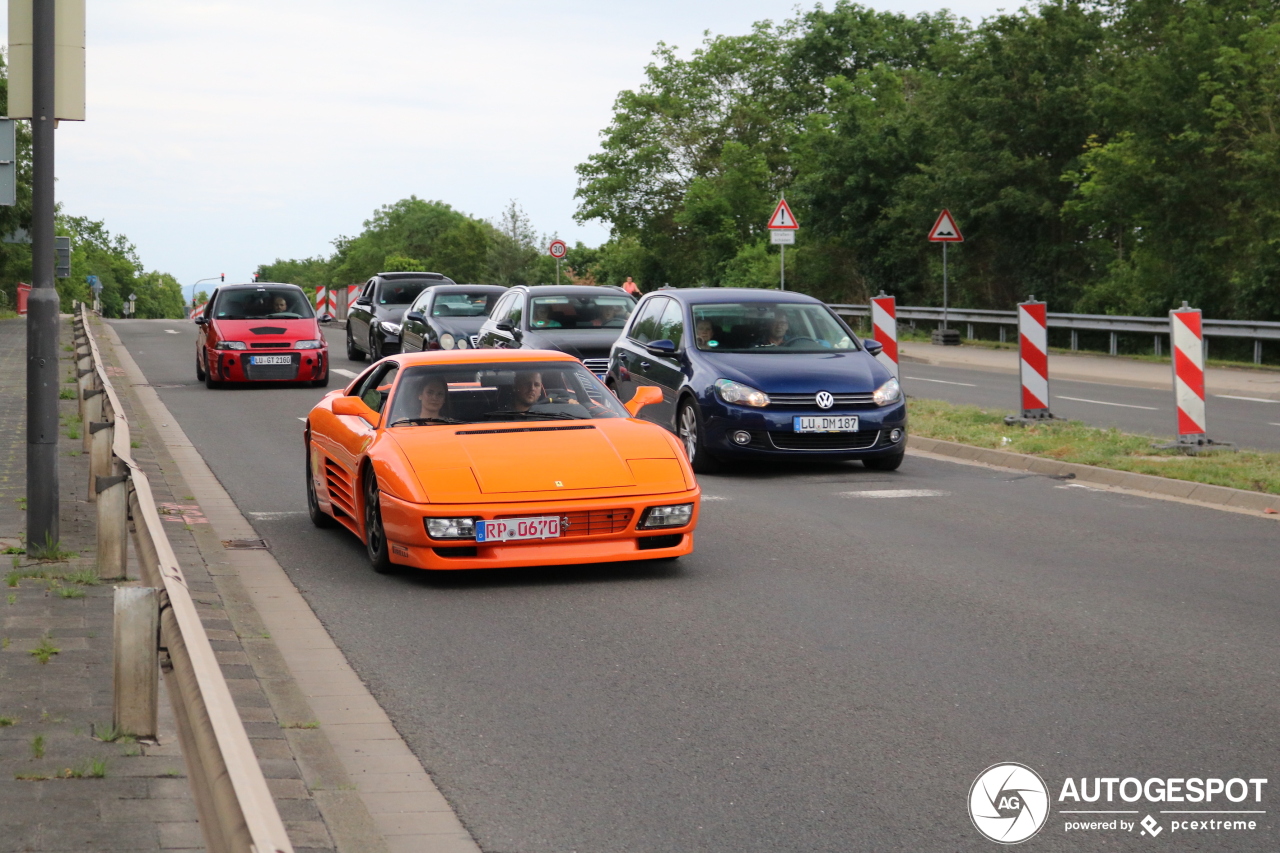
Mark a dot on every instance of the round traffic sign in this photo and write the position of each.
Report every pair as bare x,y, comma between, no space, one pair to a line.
557,249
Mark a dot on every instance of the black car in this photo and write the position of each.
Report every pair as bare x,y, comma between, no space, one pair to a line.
447,316
581,320
373,320
760,374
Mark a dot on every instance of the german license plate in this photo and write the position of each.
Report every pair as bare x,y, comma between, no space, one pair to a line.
825,423
511,529
272,359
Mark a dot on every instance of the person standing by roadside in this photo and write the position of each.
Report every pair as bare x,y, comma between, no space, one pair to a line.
631,287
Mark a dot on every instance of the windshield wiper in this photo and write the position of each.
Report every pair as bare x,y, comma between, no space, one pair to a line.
558,416
425,421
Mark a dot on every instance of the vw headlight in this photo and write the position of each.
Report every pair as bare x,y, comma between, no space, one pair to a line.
736,392
889,392
451,528
230,345
446,341
675,515
389,327
308,344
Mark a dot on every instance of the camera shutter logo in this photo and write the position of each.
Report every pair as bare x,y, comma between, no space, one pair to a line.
824,399
1008,803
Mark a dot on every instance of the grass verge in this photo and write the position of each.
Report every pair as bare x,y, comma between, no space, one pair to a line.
1073,441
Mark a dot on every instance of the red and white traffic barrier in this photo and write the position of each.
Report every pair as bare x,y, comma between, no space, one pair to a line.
197,311
1033,362
326,303
1188,373
884,329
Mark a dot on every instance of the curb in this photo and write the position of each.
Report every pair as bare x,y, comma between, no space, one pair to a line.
372,791
1219,497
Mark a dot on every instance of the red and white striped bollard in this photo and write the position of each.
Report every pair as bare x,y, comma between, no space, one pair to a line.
1188,374
1033,360
884,329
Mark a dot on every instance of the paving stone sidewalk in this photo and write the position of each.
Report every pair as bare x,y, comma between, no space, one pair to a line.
65,784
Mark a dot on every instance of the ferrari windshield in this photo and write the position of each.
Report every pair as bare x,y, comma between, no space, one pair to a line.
485,393
594,311
276,303
768,327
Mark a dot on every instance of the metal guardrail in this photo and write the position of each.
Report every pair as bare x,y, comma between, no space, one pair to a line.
236,810
1257,331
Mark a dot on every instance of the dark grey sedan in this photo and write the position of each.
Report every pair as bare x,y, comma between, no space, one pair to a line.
373,320
447,316
581,320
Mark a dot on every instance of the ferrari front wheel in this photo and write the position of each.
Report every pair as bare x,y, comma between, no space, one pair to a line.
319,517
375,536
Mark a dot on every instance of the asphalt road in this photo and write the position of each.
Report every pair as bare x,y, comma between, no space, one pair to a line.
829,671
1245,422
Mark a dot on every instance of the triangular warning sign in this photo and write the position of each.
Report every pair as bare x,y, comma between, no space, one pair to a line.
782,217
945,229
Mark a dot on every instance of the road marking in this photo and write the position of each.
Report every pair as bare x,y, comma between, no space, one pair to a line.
1273,424
346,373
1105,403
1080,486
176,332
714,498
274,516
895,493
1249,399
939,381
304,420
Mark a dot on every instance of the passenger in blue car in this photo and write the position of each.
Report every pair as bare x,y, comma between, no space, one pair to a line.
776,335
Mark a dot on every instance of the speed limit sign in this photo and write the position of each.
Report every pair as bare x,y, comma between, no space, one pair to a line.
557,249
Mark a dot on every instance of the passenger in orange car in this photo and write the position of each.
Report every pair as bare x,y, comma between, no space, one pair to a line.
527,391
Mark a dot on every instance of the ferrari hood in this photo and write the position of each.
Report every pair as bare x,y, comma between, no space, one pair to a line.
508,460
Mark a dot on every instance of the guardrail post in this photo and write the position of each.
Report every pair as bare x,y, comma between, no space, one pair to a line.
1257,352
1075,340
1002,333
103,433
1114,351
1158,345
113,525
91,410
137,660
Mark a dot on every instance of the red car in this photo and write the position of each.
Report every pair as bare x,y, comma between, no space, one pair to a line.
260,333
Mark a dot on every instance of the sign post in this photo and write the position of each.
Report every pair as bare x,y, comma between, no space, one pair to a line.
782,233
945,231
557,250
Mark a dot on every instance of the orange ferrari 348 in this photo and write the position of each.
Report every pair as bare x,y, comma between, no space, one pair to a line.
471,459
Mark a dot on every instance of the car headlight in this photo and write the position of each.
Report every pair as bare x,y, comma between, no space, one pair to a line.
389,327
462,343
308,345
736,392
889,392
230,345
446,341
674,515
451,528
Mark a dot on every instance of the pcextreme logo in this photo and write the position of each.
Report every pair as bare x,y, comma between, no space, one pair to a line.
1009,803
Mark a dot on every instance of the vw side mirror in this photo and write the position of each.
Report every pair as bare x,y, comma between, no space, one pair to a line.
355,407
872,346
645,395
663,347
415,316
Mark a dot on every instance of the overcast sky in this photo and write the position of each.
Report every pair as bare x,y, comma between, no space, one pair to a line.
221,135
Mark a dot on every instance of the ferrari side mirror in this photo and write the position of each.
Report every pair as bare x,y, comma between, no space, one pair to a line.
645,395
355,407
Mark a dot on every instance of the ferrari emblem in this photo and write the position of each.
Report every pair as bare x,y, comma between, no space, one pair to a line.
559,485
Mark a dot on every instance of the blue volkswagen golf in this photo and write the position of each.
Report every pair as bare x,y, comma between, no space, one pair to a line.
760,374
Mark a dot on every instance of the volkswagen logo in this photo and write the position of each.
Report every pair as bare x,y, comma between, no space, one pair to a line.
824,400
